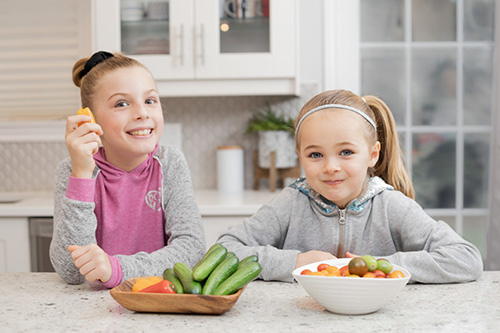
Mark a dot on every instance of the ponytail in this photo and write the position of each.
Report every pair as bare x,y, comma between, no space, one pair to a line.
390,165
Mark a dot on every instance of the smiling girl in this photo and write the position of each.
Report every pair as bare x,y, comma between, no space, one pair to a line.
356,199
124,204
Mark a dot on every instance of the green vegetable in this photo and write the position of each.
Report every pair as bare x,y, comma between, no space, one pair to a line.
185,274
252,258
169,275
220,274
210,250
207,265
244,275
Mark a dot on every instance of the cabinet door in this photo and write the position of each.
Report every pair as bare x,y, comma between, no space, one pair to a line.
159,37
14,245
260,45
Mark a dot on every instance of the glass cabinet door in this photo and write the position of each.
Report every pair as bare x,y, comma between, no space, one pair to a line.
144,27
244,26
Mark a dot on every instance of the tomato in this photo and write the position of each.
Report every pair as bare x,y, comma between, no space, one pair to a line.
344,271
333,271
306,272
369,275
379,273
384,265
319,273
322,267
370,262
396,274
358,266
352,275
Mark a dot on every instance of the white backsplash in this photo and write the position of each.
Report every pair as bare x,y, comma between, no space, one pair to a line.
198,124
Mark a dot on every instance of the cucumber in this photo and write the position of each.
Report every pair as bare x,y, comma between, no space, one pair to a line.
169,275
185,274
220,273
252,258
212,248
207,265
244,275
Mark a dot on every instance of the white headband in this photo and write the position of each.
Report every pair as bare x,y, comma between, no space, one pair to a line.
334,106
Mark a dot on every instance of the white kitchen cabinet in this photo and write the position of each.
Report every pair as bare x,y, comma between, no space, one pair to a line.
195,56
14,245
216,225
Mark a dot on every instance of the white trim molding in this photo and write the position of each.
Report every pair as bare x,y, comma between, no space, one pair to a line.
341,42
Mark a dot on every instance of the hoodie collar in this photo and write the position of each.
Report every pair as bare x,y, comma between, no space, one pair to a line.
112,171
374,186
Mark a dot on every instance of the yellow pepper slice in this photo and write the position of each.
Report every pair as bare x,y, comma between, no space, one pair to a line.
145,282
86,112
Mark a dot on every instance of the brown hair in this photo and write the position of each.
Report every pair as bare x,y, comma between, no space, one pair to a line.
390,165
89,81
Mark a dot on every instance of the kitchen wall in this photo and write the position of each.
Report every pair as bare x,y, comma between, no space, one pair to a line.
207,122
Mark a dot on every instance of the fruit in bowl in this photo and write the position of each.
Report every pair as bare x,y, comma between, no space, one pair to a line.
351,294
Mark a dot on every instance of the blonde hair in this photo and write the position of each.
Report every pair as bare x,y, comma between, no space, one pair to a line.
390,165
89,81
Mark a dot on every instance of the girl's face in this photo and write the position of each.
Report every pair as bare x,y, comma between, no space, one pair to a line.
335,154
128,109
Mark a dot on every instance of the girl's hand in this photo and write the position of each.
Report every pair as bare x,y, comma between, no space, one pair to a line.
82,142
312,256
350,255
92,262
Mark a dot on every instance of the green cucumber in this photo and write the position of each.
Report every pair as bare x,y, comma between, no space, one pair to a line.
207,265
252,258
185,274
210,250
244,275
220,274
169,275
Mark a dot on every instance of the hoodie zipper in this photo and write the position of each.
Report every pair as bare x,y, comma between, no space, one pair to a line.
341,232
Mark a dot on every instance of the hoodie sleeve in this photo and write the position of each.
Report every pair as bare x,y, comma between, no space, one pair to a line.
183,227
264,234
431,250
74,220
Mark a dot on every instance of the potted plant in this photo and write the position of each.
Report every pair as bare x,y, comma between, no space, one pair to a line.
275,133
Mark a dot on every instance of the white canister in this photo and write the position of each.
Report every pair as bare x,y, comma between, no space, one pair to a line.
230,169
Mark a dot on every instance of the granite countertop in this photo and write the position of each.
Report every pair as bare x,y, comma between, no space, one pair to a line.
210,202
42,302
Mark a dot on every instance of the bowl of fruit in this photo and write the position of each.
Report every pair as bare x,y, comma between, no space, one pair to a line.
352,286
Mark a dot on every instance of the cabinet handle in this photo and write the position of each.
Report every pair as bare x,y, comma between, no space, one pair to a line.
200,36
180,37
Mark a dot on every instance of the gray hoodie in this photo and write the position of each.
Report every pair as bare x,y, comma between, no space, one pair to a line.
383,223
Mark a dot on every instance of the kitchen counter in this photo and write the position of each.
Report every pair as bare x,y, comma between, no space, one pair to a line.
210,202
39,302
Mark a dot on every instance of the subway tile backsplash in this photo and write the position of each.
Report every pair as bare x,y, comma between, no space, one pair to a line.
207,122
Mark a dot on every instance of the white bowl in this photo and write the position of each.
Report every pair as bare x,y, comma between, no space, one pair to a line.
350,295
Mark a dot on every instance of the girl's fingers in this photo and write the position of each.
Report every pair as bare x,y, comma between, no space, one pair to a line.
71,248
73,121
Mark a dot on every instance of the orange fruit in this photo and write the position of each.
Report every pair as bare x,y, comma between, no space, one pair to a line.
396,274
369,275
333,271
86,112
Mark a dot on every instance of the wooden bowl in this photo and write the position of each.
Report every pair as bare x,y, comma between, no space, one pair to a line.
171,303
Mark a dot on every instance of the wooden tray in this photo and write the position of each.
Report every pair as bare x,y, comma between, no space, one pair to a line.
171,303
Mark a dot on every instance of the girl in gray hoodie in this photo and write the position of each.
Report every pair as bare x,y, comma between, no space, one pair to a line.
356,198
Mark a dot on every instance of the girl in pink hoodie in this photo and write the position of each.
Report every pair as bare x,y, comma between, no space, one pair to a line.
124,204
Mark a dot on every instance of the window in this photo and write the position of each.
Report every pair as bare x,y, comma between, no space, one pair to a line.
431,61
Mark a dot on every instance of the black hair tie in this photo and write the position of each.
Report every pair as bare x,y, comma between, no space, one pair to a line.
94,60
